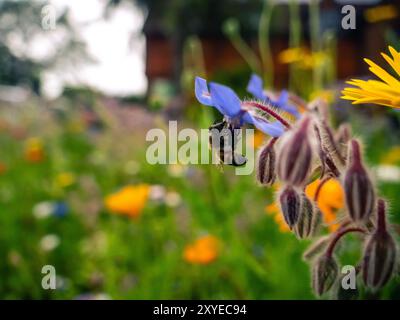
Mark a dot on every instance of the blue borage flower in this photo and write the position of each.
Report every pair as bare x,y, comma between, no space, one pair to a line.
225,100
256,88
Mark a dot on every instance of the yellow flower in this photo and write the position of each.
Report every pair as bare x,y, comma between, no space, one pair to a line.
381,13
34,150
292,55
326,95
330,199
259,138
392,157
385,92
302,57
203,251
65,179
129,201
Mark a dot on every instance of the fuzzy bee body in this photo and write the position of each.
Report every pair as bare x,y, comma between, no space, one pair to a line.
222,141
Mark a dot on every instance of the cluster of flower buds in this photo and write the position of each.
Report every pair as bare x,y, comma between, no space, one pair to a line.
295,156
309,148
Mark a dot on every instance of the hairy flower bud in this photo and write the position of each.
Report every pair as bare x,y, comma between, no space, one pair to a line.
358,187
329,144
342,293
379,254
295,156
308,220
342,137
290,201
324,274
266,164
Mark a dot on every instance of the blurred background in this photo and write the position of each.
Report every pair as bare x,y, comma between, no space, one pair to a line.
81,83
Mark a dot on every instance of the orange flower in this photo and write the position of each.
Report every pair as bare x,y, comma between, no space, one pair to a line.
34,150
203,251
129,201
273,209
259,138
330,199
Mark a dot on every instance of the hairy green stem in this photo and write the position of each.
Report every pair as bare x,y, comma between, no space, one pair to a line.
264,43
294,37
315,41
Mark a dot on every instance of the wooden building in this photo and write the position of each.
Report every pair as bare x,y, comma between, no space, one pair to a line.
164,45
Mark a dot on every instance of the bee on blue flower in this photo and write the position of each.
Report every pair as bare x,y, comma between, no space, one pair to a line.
236,112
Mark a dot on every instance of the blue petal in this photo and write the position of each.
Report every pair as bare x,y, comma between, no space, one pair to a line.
201,91
282,103
283,98
255,87
225,100
274,129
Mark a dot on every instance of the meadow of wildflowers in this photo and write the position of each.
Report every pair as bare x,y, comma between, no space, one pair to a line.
77,192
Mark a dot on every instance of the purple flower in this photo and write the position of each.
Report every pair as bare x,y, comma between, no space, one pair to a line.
256,88
225,100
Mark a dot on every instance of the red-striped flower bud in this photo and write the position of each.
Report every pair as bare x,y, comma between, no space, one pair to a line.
290,201
266,164
380,254
308,220
295,156
358,187
324,274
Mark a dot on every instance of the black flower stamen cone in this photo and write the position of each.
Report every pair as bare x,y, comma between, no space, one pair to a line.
358,187
380,254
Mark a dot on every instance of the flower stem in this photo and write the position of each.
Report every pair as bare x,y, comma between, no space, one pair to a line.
294,37
263,43
315,40
266,109
338,235
319,188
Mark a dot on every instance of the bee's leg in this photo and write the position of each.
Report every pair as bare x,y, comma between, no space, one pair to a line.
219,125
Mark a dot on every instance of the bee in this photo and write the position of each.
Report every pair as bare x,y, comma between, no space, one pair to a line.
223,139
